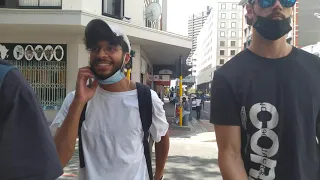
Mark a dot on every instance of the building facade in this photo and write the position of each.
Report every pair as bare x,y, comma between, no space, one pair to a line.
44,38
219,40
195,24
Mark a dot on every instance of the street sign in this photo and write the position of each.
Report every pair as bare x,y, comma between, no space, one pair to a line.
188,79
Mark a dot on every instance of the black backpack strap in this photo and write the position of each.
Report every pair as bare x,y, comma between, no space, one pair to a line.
4,69
145,109
82,118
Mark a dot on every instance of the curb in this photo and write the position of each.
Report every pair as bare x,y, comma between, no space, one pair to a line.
197,123
185,128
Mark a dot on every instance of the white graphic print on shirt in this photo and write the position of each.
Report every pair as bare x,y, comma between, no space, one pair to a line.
263,152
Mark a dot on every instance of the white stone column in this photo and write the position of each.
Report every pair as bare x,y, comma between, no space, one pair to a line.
164,15
136,64
77,57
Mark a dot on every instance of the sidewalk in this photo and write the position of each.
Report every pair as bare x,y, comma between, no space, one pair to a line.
194,126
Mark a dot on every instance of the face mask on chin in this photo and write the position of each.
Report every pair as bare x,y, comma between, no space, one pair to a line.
272,29
116,77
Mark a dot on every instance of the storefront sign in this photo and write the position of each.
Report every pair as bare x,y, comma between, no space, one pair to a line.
165,72
33,52
163,80
163,83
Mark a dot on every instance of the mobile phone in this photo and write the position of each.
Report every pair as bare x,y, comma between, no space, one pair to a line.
90,82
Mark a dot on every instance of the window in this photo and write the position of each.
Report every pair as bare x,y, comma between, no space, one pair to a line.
222,43
45,68
222,34
222,24
233,25
233,43
113,8
223,6
234,6
233,16
52,4
233,34
232,52
221,52
223,15
221,61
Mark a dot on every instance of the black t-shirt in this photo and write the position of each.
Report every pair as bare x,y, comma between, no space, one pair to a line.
276,102
27,151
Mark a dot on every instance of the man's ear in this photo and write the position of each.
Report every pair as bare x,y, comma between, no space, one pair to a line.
249,15
126,58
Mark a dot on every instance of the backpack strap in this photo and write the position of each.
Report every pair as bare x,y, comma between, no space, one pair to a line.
82,118
145,109
4,69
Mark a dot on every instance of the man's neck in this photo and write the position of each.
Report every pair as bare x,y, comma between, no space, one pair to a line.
269,49
121,86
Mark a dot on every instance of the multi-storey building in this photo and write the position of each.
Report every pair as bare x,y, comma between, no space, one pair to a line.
44,38
219,40
195,24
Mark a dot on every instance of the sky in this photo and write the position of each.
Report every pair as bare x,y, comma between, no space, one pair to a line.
179,12
178,15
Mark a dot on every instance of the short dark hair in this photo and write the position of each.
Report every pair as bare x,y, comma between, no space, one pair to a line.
99,31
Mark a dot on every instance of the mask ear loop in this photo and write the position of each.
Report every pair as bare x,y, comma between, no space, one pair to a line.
250,20
122,66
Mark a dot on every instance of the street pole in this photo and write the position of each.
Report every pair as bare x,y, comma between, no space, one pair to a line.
128,74
180,87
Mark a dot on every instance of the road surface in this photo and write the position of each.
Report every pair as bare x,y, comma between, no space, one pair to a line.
193,158
205,113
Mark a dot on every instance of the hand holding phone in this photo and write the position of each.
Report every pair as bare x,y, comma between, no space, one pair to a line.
85,92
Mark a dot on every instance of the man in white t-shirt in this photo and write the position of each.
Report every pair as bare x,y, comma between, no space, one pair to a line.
198,106
112,133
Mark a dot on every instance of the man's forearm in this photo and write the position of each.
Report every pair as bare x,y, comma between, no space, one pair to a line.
162,150
66,136
232,167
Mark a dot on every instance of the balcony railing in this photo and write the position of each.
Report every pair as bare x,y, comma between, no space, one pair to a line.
40,4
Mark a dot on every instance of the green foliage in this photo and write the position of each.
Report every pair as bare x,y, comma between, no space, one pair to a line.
191,90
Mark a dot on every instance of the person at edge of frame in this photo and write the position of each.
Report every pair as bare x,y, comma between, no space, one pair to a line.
265,103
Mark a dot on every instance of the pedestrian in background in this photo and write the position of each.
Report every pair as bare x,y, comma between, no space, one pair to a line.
198,106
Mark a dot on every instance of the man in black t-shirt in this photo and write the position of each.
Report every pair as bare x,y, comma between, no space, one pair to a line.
265,103
27,151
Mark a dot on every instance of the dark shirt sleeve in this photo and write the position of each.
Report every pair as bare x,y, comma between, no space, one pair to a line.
27,151
224,109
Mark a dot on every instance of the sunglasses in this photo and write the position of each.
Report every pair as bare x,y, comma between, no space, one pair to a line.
270,3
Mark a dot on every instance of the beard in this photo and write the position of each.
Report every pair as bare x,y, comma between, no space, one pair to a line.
117,65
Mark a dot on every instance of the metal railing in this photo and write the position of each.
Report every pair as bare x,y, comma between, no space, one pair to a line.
47,78
40,4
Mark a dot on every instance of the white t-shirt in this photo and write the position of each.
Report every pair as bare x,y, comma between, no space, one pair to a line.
112,134
198,102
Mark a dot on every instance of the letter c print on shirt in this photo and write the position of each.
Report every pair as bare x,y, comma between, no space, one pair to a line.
264,142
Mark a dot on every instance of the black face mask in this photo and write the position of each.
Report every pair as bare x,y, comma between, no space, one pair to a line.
272,29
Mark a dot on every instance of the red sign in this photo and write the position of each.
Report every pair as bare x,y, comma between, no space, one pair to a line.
163,83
